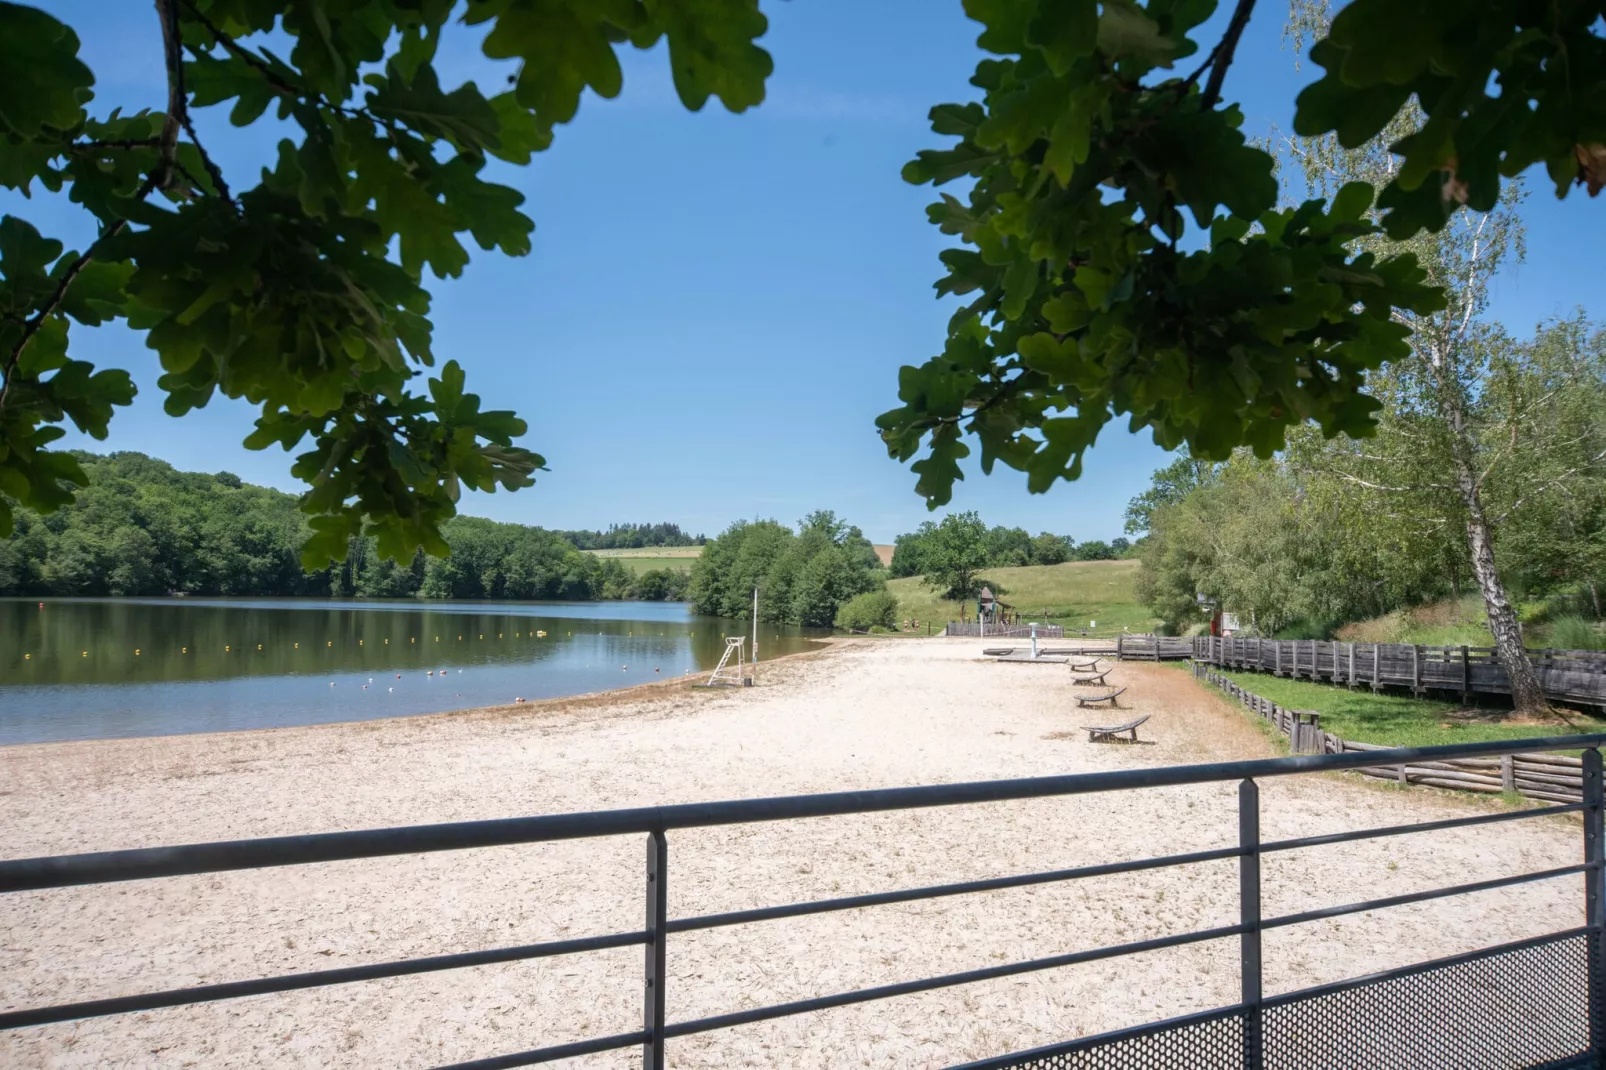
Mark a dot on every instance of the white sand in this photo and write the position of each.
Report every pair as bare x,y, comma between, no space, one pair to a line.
861,715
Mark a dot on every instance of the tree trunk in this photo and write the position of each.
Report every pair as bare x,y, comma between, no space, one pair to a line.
1526,693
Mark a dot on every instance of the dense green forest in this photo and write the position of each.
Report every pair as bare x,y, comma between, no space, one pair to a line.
803,576
631,537
143,528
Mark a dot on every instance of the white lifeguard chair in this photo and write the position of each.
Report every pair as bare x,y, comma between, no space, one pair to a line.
730,672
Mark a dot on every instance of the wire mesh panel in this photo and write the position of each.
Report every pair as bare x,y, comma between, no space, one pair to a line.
1189,1045
1520,1008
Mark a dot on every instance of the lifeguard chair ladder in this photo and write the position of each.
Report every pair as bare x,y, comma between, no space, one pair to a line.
727,673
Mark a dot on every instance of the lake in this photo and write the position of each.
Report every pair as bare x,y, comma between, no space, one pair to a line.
100,668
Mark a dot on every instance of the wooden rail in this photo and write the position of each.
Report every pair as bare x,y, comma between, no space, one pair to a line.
1545,777
1152,648
1004,631
1575,676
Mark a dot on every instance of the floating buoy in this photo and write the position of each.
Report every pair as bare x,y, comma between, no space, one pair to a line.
183,650
330,643
331,683
393,689
387,642
359,642
136,651
482,635
298,646
86,653
499,635
460,639
227,648
259,646
412,640
27,657
430,673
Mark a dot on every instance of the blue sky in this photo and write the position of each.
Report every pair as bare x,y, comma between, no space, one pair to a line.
717,305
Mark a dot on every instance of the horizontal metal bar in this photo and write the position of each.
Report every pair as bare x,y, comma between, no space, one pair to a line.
552,1054
179,997
1316,991
65,870
1426,826
904,988
1420,897
853,902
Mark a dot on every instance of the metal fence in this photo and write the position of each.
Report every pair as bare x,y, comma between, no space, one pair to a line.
1532,1003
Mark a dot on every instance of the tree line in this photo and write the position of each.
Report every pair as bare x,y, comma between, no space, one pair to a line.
928,547
804,576
631,537
141,527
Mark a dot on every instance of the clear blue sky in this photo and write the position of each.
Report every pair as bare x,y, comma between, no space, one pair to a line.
717,306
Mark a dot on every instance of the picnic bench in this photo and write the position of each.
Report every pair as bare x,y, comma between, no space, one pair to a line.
1113,732
1108,696
1092,678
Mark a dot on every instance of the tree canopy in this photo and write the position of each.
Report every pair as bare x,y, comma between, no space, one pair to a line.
304,293
803,577
1087,294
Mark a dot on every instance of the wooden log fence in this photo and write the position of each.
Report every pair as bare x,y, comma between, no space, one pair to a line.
1544,777
1572,676
1003,631
1152,648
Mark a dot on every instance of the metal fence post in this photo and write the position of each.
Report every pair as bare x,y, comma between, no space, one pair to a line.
1249,918
1595,902
652,1004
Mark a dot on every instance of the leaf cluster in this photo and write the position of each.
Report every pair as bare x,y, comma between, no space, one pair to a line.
305,294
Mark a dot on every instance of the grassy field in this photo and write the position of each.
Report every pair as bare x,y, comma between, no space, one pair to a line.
1453,622
1071,594
651,557
1400,720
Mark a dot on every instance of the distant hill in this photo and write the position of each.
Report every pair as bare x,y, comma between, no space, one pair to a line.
1072,594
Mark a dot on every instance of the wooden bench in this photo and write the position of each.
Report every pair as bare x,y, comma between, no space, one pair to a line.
1114,732
1092,678
1091,666
1109,696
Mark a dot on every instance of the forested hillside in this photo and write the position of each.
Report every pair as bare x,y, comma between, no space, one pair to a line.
143,528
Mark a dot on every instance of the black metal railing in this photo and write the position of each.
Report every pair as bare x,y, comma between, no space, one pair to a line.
1255,1029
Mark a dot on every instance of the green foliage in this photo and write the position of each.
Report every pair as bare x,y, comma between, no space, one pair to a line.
1170,485
868,611
138,527
632,537
955,552
803,577
1576,633
1548,61
304,294
1080,301
912,553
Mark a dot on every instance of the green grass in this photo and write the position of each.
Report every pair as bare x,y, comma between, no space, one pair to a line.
677,558
1462,622
1399,720
1071,594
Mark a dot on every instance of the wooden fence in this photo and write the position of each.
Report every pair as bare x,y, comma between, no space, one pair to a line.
1004,631
1152,648
1575,676
1546,777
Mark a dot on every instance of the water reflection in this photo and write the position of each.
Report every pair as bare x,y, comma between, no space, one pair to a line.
91,668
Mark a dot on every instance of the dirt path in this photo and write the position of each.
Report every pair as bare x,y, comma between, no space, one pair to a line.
875,713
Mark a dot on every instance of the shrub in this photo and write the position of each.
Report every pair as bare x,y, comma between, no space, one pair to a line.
1575,633
876,629
869,610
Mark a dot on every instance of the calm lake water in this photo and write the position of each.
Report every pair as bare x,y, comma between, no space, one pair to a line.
98,668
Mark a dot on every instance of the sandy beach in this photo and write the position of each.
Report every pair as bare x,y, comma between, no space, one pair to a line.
858,714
